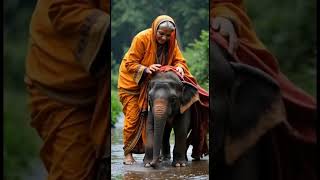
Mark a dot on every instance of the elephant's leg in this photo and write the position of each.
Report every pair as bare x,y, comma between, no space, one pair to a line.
149,146
181,128
165,149
257,163
247,166
222,80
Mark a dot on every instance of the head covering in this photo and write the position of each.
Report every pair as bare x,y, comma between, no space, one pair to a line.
167,24
172,42
160,19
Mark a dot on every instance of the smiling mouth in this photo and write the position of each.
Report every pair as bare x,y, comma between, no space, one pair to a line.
161,41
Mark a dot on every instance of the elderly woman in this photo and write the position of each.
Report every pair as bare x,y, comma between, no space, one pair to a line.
150,49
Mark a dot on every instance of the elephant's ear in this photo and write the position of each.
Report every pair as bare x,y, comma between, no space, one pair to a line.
252,95
256,74
189,96
256,107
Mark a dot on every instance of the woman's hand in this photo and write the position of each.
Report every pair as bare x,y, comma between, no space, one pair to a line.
225,27
180,71
153,68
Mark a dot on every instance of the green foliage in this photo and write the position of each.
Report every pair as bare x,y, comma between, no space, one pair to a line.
197,56
114,73
288,29
15,31
116,107
21,143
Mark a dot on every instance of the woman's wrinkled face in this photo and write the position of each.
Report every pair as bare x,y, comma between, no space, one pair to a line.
163,35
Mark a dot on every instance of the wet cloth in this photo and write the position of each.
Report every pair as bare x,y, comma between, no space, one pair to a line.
67,89
299,131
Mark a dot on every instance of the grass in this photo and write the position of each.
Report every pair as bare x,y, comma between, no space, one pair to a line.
21,143
116,107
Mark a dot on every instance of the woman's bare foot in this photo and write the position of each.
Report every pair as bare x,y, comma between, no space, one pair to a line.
128,159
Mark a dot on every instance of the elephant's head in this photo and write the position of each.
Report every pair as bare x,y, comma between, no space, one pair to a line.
246,102
168,96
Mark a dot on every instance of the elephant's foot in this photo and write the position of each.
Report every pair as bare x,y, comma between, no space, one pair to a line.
178,164
165,157
147,162
195,158
155,163
147,165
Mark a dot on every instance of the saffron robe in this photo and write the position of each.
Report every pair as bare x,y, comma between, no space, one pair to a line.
68,86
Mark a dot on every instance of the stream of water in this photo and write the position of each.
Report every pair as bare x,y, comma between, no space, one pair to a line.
193,170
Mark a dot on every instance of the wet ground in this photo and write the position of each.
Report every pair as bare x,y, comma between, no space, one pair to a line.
193,170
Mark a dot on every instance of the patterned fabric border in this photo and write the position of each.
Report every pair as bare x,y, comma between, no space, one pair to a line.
92,33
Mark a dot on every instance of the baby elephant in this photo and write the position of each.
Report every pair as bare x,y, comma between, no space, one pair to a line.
169,99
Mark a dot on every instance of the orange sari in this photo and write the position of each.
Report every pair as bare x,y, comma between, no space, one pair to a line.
132,92
68,100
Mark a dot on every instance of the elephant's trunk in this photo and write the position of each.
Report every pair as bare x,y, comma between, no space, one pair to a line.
160,108
160,117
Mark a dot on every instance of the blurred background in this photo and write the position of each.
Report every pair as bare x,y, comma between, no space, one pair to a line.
21,143
287,27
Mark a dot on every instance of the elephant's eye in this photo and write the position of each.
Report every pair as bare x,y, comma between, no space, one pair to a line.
149,100
174,99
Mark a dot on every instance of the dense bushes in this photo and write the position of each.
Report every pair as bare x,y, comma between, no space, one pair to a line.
288,29
197,57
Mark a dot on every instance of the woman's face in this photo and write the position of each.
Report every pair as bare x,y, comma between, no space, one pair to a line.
163,35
